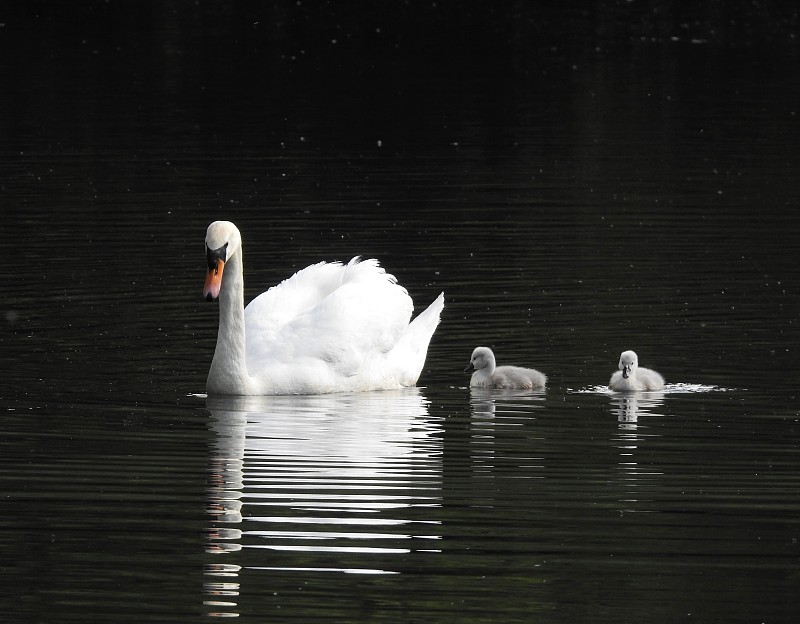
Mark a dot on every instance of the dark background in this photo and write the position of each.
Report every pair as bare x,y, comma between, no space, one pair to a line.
401,58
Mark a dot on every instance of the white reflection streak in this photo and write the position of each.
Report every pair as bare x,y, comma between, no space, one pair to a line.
336,570
332,549
344,521
628,408
328,461
225,492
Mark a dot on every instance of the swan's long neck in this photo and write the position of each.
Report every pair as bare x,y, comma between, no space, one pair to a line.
228,374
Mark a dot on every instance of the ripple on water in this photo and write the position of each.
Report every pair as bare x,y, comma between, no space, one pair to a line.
673,388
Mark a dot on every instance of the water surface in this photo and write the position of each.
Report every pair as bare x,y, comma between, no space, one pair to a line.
573,198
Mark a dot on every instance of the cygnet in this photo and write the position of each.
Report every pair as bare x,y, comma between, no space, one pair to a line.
486,373
630,377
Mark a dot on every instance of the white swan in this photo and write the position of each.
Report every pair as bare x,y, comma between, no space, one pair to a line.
328,328
630,377
486,373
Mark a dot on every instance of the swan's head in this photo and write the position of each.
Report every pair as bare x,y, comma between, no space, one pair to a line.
628,363
482,357
222,241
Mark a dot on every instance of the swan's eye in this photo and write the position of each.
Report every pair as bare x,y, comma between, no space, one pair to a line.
213,255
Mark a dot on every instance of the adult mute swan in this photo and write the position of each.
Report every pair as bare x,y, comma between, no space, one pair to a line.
328,328
486,373
631,377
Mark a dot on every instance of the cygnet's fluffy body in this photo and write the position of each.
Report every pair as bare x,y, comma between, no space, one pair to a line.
631,377
486,373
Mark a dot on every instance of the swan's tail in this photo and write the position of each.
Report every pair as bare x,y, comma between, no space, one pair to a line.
412,348
427,321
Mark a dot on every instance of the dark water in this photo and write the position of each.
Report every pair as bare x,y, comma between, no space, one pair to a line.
577,184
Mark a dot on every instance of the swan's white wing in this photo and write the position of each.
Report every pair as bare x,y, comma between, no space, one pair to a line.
271,310
326,322
354,318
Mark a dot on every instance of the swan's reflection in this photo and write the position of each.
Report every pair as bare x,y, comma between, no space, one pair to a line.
634,477
327,483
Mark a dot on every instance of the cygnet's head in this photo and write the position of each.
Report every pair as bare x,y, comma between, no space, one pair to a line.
482,357
628,363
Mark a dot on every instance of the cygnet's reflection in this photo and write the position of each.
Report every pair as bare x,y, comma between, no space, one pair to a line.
635,476
491,410
628,406
324,483
484,401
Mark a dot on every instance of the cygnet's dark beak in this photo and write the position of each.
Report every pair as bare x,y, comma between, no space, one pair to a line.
470,368
626,371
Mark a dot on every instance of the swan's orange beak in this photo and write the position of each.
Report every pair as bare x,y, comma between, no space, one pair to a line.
213,281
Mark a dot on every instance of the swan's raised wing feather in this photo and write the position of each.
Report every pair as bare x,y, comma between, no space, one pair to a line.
339,315
293,297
